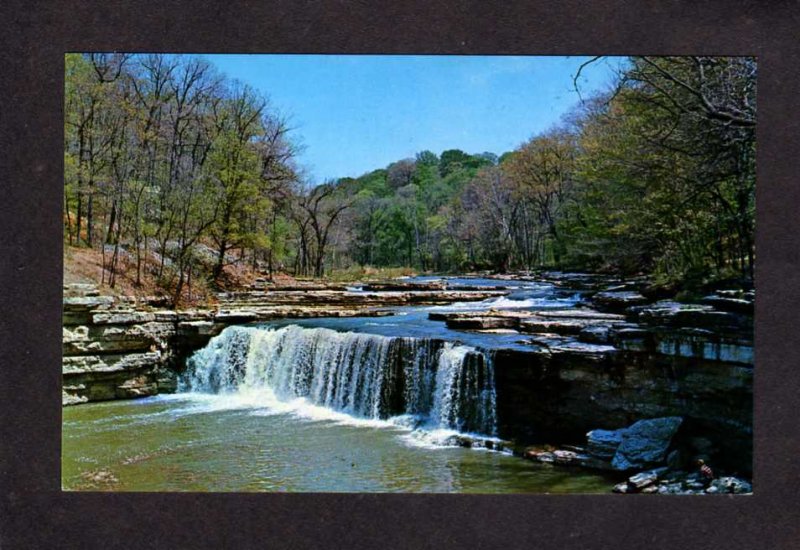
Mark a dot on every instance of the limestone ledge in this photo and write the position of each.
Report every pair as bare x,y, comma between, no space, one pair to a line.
83,364
127,347
671,329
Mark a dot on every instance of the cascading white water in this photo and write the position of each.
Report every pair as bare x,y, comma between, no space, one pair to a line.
443,385
465,394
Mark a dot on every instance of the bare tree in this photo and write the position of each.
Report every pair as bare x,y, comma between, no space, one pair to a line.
322,210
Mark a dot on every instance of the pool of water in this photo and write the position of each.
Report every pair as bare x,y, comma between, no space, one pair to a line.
195,442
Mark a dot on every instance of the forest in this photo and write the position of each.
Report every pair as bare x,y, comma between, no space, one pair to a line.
177,176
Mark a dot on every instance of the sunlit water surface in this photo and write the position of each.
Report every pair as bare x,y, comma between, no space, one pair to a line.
217,443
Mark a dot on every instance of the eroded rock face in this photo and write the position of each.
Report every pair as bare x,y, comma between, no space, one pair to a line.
113,348
557,394
93,339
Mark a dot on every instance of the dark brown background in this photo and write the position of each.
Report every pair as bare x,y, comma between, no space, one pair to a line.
35,514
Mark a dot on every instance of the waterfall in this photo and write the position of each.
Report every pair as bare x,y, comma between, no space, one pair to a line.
443,385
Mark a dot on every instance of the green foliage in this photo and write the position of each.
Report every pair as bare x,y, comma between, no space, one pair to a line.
657,177
666,179
163,155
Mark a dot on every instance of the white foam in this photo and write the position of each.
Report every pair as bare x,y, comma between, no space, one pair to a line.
264,402
321,375
431,439
506,302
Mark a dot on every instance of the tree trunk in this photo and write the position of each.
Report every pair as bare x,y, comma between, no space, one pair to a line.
78,220
112,219
89,220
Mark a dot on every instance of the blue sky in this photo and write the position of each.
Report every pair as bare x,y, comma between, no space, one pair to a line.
356,113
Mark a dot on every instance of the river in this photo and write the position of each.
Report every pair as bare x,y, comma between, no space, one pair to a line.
335,405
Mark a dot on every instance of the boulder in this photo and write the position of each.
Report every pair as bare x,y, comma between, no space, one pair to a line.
622,488
603,443
645,443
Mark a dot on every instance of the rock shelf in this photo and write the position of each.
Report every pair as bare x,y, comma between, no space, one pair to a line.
126,347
